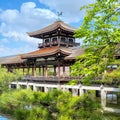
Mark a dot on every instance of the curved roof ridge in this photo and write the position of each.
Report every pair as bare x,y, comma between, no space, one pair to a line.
65,49
52,27
46,52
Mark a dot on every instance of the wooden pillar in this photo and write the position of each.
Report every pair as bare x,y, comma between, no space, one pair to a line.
46,68
67,41
46,71
28,72
58,40
15,69
55,70
34,70
43,71
8,69
39,71
43,42
58,69
63,70
50,41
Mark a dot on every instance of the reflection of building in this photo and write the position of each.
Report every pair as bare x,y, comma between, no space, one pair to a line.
55,53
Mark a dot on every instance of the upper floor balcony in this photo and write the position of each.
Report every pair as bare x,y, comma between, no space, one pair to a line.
60,41
55,43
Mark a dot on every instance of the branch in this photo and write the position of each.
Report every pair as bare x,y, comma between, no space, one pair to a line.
117,10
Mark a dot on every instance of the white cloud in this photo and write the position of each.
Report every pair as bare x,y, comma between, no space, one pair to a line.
70,8
15,23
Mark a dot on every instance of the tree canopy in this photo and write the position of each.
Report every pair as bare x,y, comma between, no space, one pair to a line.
7,77
100,32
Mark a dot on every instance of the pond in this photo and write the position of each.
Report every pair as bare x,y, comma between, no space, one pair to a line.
3,118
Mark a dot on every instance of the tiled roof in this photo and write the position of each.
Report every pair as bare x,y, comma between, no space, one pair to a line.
75,53
52,27
11,60
47,52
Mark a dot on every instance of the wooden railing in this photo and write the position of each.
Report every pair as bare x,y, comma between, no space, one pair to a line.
49,79
41,45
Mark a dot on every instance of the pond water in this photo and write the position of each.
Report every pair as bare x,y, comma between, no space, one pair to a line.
3,118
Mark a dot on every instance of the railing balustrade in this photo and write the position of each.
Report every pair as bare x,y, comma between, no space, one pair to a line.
41,45
50,78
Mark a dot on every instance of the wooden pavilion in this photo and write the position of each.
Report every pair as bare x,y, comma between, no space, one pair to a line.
55,55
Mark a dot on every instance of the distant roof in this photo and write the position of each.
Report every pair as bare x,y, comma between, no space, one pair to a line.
75,52
52,27
70,54
11,59
48,51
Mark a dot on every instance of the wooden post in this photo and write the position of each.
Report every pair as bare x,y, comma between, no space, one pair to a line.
63,70
34,70
46,71
28,70
43,71
54,70
46,68
58,69
39,71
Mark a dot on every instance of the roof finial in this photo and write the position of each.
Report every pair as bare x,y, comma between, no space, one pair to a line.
59,14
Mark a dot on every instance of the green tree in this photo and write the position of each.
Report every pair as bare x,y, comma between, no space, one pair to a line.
54,105
100,32
7,77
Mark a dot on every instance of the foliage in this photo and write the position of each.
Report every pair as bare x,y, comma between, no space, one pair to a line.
54,105
100,32
112,77
38,113
7,77
72,82
21,114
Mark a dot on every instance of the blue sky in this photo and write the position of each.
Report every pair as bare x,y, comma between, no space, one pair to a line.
17,17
